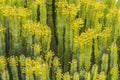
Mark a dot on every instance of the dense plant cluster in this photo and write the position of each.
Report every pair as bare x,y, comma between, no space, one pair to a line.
59,39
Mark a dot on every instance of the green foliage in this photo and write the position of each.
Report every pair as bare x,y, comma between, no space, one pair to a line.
59,39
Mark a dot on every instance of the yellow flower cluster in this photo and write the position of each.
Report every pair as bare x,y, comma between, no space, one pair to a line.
2,1
37,49
9,11
49,55
2,64
1,7
114,13
67,9
114,69
77,24
13,61
43,30
30,27
26,65
114,48
13,11
99,6
59,74
56,62
36,66
106,32
39,2
28,69
23,12
101,76
2,29
22,61
84,1
40,68
37,29
86,37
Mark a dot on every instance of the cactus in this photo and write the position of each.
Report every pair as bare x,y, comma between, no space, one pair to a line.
113,55
13,62
60,30
87,76
59,39
114,72
2,40
104,65
59,74
73,67
5,75
56,64
102,76
28,70
76,76
94,72
66,76
96,51
3,65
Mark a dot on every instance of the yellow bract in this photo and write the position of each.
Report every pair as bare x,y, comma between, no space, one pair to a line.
2,29
2,64
13,11
114,69
67,9
37,49
99,6
9,11
37,29
13,61
114,12
2,1
86,37
77,24
39,2
30,27
102,76
106,32
23,12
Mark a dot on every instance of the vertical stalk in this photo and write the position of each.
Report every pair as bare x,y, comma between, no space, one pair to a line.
13,61
2,40
43,12
104,65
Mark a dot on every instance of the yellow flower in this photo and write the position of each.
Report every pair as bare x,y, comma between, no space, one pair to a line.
37,68
106,32
22,60
2,29
77,24
2,1
23,12
59,73
13,61
2,64
99,6
9,11
67,9
39,2
113,13
30,27
13,11
56,62
37,29
114,69
102,76
37,49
